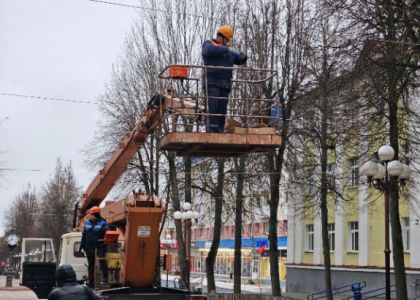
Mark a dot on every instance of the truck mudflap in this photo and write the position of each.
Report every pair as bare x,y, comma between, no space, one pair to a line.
127,293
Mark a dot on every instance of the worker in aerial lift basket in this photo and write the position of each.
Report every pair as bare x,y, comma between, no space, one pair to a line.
217,83
93,241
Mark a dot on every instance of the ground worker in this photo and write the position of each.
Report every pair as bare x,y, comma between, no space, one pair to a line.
93,243
217,82
68,288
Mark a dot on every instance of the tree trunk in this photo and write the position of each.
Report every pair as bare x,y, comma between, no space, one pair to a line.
323,201
237,266
397,242
177,207
157,167
211,257
187,172
324,160
393,82
272,224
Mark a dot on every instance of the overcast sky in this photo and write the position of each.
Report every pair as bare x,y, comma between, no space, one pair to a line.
59,49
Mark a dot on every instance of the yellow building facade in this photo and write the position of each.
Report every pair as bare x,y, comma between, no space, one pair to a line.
356,231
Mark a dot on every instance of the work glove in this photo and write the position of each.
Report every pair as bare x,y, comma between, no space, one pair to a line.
242,57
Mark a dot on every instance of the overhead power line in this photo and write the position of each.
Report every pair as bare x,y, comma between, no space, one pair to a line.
48,98
150,9
20,170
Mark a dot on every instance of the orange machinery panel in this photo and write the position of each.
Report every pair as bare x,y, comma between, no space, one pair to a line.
111,236
140,246
178,72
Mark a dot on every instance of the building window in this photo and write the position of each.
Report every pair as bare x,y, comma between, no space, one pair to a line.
353,240
310,183
331,236
284,228
76,252
309,246
265,228
331,177
405,230
354,172
256,229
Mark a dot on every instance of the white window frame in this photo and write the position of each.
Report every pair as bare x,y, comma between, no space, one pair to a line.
331,236
309,237
353,236
331,176
310,183
266,227
354,172
405,232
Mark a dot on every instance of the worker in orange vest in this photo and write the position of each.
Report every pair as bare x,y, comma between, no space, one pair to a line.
217,82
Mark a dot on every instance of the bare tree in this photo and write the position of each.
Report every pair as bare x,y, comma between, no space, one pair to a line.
169,33
328,55
211,257
284,39
24,213
58,197
4,251
237,267
392,31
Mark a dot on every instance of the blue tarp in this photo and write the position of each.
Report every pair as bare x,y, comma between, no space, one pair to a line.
246,243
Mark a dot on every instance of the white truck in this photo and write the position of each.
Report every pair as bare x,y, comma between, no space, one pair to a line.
70,254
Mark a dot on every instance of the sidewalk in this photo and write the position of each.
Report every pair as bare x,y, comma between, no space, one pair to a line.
227,284
16,292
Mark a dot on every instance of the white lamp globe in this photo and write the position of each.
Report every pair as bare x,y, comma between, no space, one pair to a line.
369,168
178,215
395,168
189,215
186,206
381,172
386,153
405,174
196,214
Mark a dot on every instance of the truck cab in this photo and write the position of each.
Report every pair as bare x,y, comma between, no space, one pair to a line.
70,254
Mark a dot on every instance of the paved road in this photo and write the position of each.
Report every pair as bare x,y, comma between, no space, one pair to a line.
222,286
226,286
16,291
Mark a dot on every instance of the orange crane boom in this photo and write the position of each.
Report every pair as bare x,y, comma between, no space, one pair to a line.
130,144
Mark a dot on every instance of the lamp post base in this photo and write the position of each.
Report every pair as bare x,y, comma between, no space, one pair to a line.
9,278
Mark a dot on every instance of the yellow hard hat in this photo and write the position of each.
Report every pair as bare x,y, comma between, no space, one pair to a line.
226,31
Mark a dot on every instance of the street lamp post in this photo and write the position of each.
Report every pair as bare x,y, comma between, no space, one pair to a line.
187,215
379,175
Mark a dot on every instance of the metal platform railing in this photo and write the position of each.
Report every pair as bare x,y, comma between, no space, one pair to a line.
354,288
252,102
